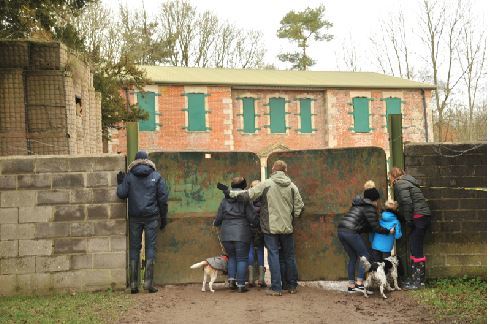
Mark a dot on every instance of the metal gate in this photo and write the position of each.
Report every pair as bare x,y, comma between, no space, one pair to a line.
328,180
193,202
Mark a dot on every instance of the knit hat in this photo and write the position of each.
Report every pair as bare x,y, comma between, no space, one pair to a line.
141,155
370,191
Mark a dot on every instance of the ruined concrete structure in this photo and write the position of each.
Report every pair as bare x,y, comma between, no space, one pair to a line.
47,101
200,109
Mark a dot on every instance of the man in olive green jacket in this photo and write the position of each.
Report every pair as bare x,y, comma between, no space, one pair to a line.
280,202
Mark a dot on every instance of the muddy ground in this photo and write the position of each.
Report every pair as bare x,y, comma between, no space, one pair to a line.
187,304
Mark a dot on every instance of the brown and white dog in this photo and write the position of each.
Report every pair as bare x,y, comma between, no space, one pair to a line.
212,267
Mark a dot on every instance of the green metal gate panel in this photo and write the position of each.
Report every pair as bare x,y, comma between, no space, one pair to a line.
146,102
196,112
361,114
305,115
393,107
333,177
189,236
277,111
248,115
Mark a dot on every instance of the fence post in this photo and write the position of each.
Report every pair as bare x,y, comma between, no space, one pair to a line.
395,130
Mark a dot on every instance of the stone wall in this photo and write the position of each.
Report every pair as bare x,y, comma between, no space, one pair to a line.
454,180
62,227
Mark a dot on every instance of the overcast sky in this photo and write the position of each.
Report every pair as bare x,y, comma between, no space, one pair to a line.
358,19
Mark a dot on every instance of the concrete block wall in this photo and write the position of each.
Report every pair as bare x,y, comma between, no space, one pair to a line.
454,180
62,227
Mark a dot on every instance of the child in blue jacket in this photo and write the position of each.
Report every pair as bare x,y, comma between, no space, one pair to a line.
382,244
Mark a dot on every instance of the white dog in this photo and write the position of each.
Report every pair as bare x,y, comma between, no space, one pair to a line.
212,267
391,271
375,276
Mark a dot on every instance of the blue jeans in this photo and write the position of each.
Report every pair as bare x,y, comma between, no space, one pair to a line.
260,255
286,242
355,248
237,260
136,227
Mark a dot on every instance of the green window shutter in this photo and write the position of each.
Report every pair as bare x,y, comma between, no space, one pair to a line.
277,107
361,114
305,115
393,107
248,115
196,113
146,102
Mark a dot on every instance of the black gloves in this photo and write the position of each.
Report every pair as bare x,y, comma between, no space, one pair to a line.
163,222
224,188
120,177
163,216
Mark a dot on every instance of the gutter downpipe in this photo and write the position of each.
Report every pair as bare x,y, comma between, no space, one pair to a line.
426,126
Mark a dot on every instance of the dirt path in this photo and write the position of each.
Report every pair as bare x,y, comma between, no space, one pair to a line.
187,304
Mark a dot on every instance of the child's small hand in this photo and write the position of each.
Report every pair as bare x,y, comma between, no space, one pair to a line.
392,230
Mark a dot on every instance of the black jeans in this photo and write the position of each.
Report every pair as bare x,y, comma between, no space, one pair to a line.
417,234
378,256
136,227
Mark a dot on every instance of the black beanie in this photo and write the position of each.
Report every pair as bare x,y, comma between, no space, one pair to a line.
371,194
141,155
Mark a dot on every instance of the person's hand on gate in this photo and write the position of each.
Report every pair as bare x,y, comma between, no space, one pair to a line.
224,188
120,177
392,230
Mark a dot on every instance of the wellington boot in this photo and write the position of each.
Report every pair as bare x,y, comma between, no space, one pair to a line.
133,276
149,276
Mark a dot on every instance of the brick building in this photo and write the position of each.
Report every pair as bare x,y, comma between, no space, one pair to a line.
48,104
200,109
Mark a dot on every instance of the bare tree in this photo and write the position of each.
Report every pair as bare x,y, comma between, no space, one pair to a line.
200,39
472,60
391,49
348,59
442,29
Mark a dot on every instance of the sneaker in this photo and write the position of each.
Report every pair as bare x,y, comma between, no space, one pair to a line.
351,290
271,292
242,289
361,289
293,291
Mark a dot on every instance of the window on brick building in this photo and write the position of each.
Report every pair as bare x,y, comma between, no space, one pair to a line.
196,112
146,102
249,115
361,114
393,107
306,115
277,114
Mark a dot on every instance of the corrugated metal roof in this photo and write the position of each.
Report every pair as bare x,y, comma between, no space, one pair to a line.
278,78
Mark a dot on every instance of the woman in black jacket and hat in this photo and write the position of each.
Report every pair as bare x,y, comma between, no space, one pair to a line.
361,218
415,211
235,217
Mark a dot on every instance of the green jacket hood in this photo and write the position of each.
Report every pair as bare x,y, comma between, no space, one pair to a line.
281,179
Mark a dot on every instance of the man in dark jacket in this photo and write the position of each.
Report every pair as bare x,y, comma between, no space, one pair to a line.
235,217
147,195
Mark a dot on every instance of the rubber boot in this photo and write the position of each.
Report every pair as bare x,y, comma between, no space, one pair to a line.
416,276
422,274
251,281
261,282
232,284
133,276
149,276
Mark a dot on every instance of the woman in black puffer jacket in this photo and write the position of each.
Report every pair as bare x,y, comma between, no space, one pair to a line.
415,211
361,218
234,219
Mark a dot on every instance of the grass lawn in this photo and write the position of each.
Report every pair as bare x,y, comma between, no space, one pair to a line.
100,307
459,300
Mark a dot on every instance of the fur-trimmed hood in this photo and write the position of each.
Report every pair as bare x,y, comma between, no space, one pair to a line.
141,168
